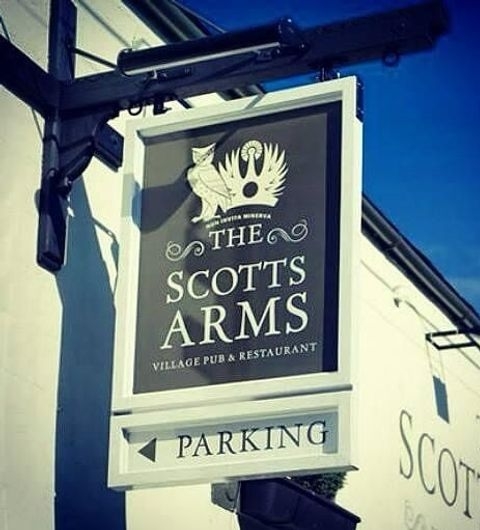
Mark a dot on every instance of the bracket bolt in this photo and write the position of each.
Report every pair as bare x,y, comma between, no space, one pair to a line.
64,187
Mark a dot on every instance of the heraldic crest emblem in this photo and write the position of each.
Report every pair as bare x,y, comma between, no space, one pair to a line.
253,174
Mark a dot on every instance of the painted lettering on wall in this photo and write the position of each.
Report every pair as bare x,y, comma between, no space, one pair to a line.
415,520
441,470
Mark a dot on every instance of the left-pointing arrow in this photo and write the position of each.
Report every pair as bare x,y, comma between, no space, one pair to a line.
149,451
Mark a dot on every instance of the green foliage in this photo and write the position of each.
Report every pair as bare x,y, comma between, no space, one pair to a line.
325,484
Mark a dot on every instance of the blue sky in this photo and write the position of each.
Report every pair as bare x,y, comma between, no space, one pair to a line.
421,139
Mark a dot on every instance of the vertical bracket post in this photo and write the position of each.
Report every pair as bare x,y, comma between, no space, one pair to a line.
53,205
70,141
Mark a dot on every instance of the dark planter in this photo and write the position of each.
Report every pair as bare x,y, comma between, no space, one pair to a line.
280,503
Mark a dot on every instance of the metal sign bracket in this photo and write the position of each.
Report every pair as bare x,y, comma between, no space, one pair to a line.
77,110
454,339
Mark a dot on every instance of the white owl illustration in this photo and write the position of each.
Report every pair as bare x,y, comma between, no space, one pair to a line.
207,183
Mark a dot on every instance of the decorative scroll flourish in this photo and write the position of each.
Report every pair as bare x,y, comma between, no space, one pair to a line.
298,233
174,251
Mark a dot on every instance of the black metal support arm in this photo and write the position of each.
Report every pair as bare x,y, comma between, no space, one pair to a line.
77,110
374,37
454,339
24,78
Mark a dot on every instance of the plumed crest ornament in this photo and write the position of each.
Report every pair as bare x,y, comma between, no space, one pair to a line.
256,186
253,174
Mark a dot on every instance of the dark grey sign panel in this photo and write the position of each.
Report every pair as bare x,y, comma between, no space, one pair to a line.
239,251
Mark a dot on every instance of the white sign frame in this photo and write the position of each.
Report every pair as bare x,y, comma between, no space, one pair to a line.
142,131
128,468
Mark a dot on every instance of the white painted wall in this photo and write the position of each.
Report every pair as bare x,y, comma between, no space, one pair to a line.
396,369
29,307
43,317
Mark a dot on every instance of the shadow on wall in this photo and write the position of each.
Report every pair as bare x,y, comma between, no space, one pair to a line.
82,499
441,398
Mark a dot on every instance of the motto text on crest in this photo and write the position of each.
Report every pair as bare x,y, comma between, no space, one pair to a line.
239,181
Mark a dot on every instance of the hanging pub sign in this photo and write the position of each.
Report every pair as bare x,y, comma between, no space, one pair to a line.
236,274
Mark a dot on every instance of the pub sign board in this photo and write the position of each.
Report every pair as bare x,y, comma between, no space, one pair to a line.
240,228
